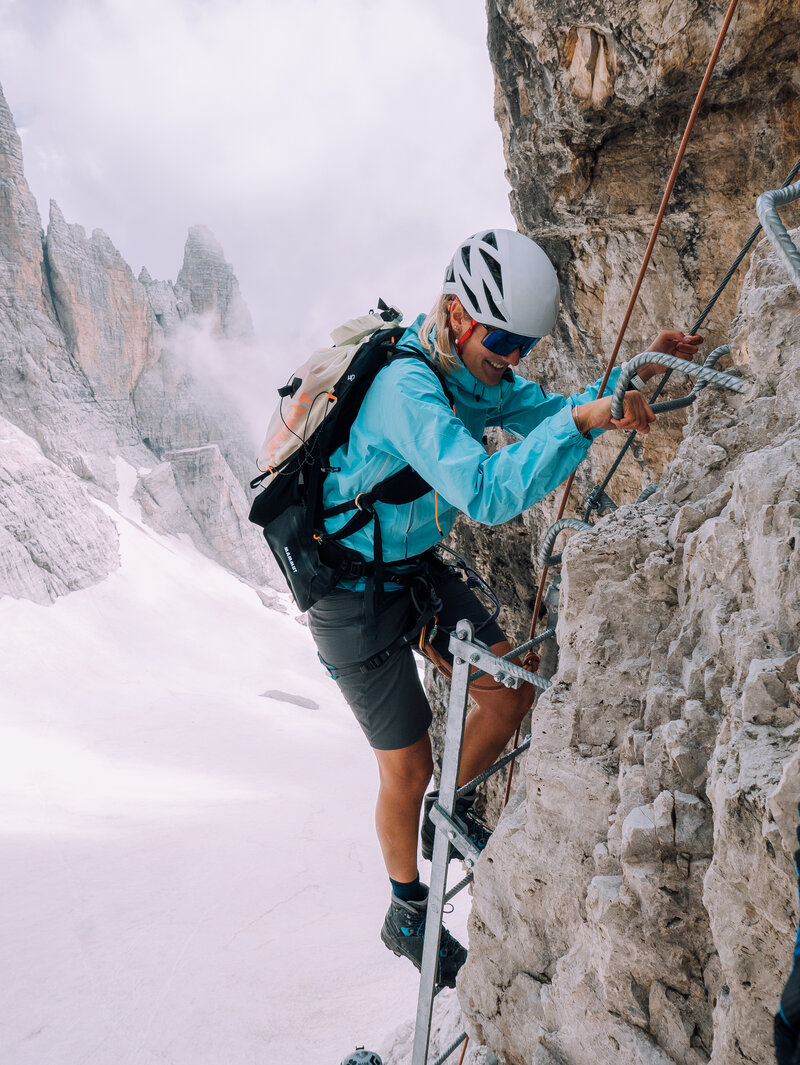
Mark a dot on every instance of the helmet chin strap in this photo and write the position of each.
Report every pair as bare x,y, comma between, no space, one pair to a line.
459,341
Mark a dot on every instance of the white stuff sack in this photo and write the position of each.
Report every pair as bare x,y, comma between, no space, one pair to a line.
297,416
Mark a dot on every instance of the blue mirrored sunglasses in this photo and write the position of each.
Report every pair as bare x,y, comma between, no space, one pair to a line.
503,343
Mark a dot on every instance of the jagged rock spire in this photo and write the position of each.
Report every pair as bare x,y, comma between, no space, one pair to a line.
20,225
207,284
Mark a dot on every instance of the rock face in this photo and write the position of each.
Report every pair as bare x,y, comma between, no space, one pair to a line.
195,491
97,364
54,538
592,100
208,285
637,901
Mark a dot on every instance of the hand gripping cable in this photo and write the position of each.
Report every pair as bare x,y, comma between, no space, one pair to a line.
704,374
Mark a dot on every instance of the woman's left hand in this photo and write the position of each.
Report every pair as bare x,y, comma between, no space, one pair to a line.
671,342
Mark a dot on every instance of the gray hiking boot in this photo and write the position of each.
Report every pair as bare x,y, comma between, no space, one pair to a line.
403,933
477,831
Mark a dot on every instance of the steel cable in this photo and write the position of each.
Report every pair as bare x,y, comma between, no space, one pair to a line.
703,315
634,295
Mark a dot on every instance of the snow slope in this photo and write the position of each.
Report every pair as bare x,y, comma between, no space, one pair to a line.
189,871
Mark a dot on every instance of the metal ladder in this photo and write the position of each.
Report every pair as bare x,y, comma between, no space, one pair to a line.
467,653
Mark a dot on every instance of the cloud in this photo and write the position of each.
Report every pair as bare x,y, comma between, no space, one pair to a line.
338,150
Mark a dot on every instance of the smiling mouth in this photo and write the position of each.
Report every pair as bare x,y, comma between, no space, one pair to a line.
496,365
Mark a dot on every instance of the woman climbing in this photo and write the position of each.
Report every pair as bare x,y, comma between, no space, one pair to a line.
429,411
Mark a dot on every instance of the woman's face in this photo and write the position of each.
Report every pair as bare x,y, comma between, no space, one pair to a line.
483,364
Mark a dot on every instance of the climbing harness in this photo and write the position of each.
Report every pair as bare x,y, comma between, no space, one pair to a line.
473,580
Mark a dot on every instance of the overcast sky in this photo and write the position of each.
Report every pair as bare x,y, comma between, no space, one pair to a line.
339,149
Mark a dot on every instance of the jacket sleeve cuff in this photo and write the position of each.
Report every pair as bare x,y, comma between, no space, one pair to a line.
565,423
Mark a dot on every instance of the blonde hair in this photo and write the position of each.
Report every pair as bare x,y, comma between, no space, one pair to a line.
439,346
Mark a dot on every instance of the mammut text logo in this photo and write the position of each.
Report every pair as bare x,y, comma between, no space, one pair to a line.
288,554
351,377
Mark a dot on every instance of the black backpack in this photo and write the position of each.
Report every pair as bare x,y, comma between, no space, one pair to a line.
289,509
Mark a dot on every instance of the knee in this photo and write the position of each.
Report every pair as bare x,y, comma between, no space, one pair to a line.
525,696
419,776
507,704
411,776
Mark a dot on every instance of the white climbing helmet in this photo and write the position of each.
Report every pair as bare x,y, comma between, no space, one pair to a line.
360,1056
504,279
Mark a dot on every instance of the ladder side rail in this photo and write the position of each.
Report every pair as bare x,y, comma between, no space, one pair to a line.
451,761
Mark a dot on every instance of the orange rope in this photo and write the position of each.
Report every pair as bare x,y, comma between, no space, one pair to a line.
463,1052
635,294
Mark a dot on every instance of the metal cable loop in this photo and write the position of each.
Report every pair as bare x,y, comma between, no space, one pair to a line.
651,488
767,206
600,502
544,558
703,374
685,401
682,401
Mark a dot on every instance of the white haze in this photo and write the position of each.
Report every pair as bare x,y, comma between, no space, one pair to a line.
190,870
179,883
338,150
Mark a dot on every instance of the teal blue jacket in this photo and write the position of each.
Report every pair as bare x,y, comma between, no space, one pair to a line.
406,420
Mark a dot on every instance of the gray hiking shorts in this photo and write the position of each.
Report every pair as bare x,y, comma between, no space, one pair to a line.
389,702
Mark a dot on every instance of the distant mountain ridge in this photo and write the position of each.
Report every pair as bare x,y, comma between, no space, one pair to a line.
98,365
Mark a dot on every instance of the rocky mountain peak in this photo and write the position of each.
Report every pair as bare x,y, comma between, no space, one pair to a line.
95,370
208,285
20,226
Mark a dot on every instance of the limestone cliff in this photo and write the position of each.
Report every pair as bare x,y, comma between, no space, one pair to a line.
637,901
97,366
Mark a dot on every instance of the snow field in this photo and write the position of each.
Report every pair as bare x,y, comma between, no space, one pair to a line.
190,874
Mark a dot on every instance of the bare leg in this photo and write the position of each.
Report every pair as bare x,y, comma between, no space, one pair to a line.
492,723
404,776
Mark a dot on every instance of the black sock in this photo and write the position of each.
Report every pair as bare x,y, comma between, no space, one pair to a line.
410,892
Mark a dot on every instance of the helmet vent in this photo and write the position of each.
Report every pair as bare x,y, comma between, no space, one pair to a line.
496,312
470,295
490,239
494,269
465,256
450,276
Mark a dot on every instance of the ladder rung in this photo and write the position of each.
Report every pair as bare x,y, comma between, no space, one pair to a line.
454,829
451,894
523,647
479,779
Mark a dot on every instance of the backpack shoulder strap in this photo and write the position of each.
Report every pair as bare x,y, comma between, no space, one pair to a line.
402,353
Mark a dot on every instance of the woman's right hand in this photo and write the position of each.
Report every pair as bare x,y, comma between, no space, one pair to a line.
597,414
